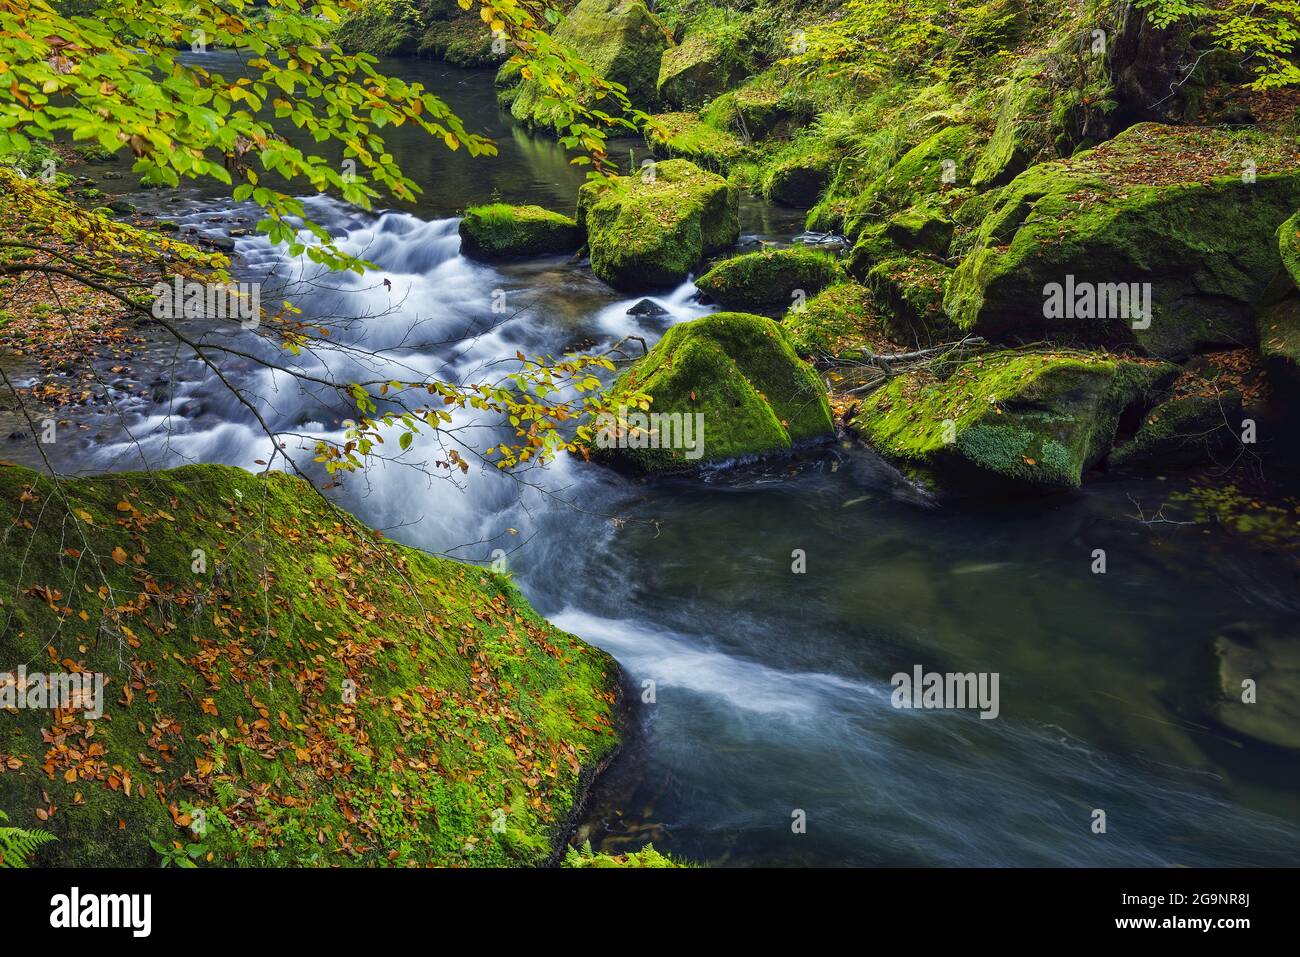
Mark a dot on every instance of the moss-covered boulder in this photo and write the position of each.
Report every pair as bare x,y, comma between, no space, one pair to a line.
769,278
840,321
381,28
909,292
620,39
940,163
1023,135
1072,248
1007,421
763,108
798,180
1182,431
1279,312
461,41
652,229
499,230
710,59
923,228
282,686
739,375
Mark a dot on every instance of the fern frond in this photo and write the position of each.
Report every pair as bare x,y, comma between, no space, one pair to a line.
17,844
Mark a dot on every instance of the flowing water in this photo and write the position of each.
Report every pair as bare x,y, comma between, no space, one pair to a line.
771,693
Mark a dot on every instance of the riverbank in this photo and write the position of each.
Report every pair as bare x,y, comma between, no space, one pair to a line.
280,685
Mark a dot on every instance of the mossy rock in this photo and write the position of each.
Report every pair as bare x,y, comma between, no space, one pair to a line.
461,41
939,164
651,230
768,278
709,60
1007,421
1183,431
1272,663
499,230
909,292
762,109
798,181
686,136
741,375
228,613
1279,311
381,29
620,39
1023,134
924,229
839,321
1161,205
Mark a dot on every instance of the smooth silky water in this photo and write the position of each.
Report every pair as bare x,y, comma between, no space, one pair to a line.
771,689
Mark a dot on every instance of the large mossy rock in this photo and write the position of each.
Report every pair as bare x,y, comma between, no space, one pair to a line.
940,163
652,229
381,30
228,682
741,375
909,293
769,278
498,230
1023,134
1007,421
840,321
620,39
708,61
1160,205
1182,431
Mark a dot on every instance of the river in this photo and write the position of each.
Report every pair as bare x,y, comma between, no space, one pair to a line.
771,695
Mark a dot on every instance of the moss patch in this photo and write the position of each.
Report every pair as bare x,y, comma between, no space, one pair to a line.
462,739
498,230
1007,420
652,229
771,277
1159,205
620,39
840,321
741,375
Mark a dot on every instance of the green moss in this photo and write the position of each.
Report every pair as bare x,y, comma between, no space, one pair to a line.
1157,204
741,375
840,319
711,58
1288,242
499,230
940,163
909,291
381,28
797,176
1008,419
620,39
770,277
686,136
1183,431
924,228
653,228
461,41
473,718
1022,135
